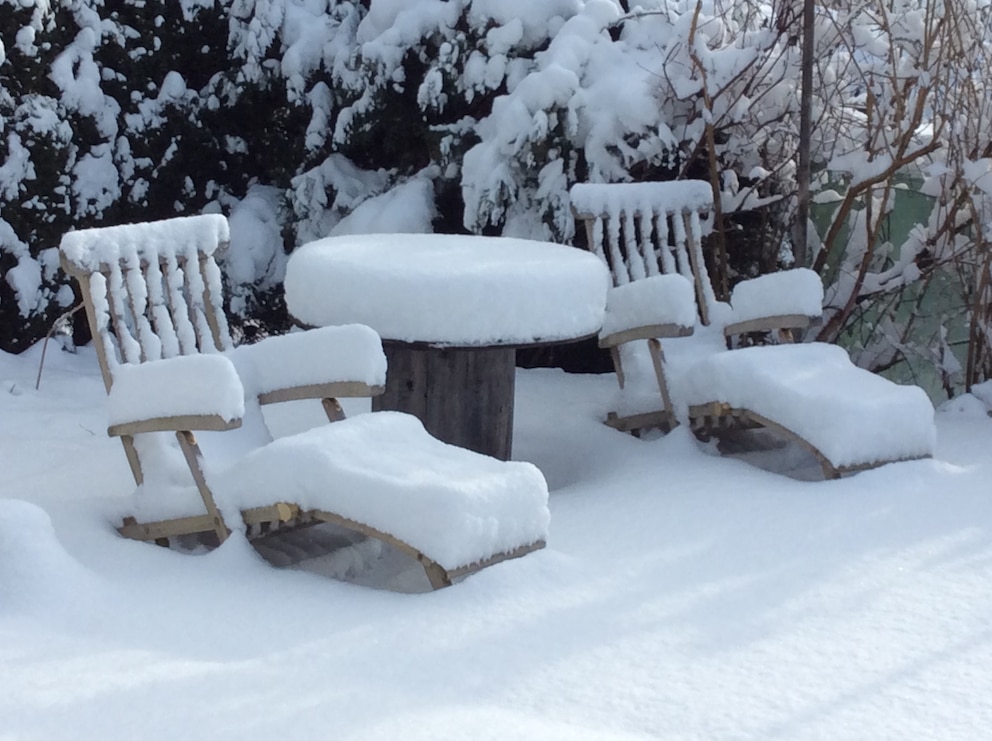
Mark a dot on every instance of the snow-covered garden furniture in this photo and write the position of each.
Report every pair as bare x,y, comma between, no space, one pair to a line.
451,310
154,302
650,235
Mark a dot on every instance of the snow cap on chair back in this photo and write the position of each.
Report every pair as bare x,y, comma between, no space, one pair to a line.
94,249
154,288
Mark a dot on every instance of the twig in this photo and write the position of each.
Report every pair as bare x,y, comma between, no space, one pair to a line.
44,346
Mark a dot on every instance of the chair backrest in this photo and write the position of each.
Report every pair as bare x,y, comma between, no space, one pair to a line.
645,229
151,290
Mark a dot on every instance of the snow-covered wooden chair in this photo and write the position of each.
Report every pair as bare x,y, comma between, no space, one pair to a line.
651,236
154,302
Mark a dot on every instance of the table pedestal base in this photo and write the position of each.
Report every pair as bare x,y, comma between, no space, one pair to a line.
464,396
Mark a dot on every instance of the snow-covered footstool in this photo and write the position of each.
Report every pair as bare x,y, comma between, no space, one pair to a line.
849,418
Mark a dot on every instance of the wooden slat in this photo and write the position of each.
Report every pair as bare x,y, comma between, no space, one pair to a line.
647,332
213,305
211,422
700,278
617,364
336,390
642,421
658,362
621,275
194,459
471,568
278,512
175,283
166,528
635,260
127,344
135,287
133,459
648,251
768,324
668,265
195,301
102,343
333,410
159,309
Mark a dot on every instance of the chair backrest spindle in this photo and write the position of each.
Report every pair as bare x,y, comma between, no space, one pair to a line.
645,229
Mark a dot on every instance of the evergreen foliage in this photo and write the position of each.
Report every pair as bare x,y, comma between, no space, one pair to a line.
288,114
297,118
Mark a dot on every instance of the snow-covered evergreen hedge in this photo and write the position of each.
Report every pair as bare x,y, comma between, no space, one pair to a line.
299,118
288,115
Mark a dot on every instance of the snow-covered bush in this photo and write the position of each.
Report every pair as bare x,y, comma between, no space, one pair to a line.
487,109
113,112
907,105
298,118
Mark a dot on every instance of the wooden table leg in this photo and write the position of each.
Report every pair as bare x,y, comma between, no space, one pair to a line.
464,396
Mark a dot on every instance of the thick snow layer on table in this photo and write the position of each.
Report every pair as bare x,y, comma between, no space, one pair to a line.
386,471
449,289
91,248
796,291
852,416
602,199
323,355
188,384
660,299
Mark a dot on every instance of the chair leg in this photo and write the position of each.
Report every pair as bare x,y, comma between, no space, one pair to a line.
132,458
786,337
658,360
617,364
333,410
194,459
436,575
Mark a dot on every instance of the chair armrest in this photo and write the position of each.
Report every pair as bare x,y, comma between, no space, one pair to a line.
338,390
192,392
789,299
659,306
768,324
327,362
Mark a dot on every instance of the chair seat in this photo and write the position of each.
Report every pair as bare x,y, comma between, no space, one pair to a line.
384,470
658,301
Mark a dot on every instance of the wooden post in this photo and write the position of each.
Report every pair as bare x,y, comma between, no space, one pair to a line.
800,238
464,396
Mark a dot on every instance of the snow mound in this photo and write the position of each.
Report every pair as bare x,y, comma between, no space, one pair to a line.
35,570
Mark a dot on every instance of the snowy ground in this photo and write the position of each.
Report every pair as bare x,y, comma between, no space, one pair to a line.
681,596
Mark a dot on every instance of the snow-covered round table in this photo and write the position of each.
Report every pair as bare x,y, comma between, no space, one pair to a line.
451,310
